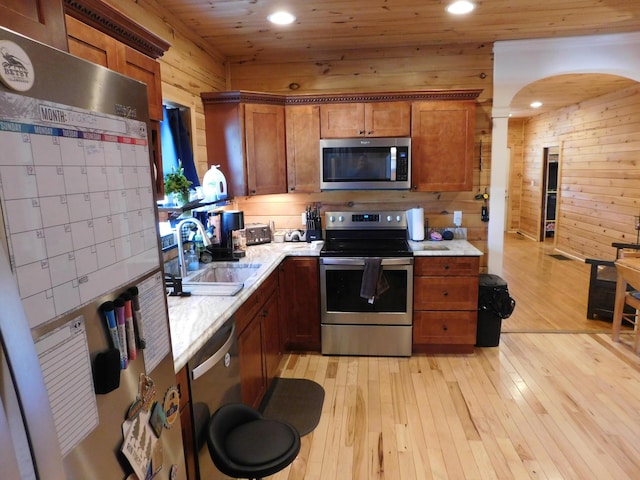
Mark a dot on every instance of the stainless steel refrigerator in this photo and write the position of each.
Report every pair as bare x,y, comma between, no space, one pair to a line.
87,384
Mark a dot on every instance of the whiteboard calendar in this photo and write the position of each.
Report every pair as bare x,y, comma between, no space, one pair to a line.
77,203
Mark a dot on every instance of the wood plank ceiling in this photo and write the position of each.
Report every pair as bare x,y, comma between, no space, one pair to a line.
240,31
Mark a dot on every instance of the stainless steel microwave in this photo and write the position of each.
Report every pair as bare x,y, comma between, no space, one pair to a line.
365,164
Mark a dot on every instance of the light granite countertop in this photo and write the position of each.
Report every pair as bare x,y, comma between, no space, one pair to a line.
193,320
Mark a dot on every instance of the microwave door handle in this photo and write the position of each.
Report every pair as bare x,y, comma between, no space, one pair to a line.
393,153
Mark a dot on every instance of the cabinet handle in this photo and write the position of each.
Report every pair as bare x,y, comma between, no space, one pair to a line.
445,328
253,192
446,294
370,132
446,267
360,132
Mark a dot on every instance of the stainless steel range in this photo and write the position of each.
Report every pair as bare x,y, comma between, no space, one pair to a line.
366,284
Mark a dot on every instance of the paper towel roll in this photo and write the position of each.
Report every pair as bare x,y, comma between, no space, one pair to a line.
415,222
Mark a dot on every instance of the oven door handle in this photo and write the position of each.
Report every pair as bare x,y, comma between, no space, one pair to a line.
360,261
212,361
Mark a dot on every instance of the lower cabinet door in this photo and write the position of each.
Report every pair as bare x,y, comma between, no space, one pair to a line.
252,379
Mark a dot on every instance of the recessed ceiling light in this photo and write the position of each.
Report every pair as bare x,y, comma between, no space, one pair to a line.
281,18
535,104
460,7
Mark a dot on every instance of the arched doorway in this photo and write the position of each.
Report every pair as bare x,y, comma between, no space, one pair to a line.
519,63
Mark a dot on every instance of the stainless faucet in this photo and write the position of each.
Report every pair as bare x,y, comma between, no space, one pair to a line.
205,239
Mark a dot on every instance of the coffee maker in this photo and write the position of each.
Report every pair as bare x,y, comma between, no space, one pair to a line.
230,221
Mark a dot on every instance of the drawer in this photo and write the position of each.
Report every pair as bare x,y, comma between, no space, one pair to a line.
250,307
445,293
454,328
449,266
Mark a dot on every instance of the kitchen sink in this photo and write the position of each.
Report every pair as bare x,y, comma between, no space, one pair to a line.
220,278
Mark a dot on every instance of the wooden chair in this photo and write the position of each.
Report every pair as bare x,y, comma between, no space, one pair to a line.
628,272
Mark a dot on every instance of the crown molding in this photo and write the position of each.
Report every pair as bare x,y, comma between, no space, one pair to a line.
112,22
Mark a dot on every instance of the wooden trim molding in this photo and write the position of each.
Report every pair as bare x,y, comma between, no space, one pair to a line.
384,97
239,96
256,97
110,21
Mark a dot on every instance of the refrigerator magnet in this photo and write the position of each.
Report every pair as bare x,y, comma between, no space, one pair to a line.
157,419
171,406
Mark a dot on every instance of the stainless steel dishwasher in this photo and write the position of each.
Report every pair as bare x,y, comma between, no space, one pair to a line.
214,380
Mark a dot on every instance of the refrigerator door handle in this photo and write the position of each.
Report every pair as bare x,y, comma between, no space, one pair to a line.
210,362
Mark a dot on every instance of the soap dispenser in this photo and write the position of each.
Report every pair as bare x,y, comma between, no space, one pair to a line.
191,259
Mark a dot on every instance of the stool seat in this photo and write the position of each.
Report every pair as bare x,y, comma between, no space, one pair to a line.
242,443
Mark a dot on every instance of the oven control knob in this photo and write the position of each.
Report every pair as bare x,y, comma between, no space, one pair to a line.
398,218
332,218
341,218
388,218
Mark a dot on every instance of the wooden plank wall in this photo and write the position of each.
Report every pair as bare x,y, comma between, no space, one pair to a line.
599,188
190,67
515,142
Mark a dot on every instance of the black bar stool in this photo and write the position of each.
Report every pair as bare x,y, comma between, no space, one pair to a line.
242,443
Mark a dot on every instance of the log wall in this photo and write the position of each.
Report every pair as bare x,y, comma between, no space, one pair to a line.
599,187
515,142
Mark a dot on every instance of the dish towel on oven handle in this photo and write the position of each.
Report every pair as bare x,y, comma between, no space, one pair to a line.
374,282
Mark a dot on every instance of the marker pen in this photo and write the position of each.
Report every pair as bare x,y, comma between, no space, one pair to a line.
137,316
131,334
122,332
107,310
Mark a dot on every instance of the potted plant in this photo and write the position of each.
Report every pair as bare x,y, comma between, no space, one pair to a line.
176,183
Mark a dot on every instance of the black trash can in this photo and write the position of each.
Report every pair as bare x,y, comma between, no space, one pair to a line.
494,305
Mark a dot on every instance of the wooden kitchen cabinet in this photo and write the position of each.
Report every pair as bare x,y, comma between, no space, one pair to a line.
246,137
302,123
252,375
97,47
103,49
445,304
377,119
300,303
259,346
442,139
41,21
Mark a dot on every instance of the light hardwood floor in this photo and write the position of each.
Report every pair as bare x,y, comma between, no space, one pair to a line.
556,400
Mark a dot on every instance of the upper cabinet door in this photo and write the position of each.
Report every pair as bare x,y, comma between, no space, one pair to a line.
40,20
91,44
145,69
303,137
442,146
265,144
342,120
387,119
377,119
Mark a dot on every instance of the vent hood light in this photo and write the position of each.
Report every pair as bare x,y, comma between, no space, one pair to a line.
281,18
535,104
460,7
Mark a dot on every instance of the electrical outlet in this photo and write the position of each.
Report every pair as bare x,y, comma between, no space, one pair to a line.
457,218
